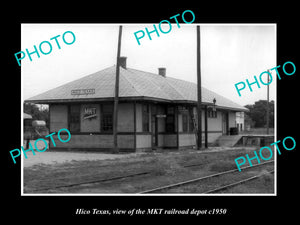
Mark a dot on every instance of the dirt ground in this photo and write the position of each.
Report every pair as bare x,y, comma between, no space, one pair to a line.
49,157
56,157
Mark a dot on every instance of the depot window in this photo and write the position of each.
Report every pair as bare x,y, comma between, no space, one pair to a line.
211,113
170,119
192,120
107,118
145,115
187,120
74,121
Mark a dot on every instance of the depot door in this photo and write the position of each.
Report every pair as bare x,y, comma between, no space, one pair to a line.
225,123
154,131
154,127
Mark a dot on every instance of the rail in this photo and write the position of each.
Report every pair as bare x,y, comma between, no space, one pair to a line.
199,179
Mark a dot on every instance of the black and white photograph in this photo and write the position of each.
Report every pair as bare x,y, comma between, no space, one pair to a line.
144,109
149,113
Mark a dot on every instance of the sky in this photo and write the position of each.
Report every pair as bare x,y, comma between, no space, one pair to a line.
230,53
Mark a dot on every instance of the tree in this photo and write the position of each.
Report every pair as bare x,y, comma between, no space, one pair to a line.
37,112
258,113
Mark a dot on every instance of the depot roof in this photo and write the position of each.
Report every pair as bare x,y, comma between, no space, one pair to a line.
135,85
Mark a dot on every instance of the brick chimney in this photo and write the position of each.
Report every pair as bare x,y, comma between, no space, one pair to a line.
122,61
162,71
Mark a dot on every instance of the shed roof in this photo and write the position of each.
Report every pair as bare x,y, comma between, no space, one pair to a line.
26,116
134,84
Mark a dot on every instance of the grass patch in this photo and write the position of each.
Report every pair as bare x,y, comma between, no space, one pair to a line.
266,178
222,166
261,185
167,166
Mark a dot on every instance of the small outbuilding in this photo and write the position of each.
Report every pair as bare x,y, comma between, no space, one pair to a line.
27,120
155,111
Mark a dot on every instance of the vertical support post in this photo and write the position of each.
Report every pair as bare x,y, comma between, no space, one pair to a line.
156,131
205,127
134,125
69,116
152,124
177,125
227,123
199,115
268,110
116,99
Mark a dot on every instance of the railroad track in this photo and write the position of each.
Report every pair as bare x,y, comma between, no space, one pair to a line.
102,180
92,181
119,177
237,183
128,176
191,181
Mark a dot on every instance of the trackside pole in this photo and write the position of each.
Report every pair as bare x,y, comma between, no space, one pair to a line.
116,99
199,115
268,109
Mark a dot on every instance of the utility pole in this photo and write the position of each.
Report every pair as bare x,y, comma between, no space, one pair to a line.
199,99
268,110
116,99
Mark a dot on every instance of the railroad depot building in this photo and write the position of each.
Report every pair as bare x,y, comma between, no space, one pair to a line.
155,111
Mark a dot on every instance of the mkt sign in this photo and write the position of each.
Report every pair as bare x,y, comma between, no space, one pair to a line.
89,113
